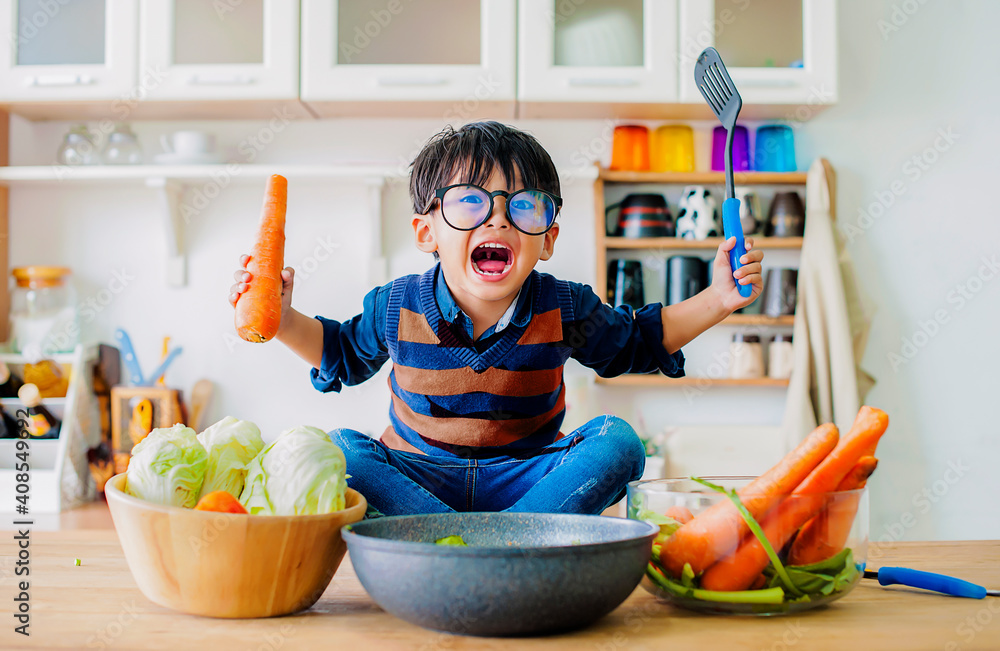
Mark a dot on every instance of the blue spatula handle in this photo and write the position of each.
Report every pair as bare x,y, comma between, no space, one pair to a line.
732,227
930,581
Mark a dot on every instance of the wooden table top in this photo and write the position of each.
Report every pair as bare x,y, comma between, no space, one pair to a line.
97,605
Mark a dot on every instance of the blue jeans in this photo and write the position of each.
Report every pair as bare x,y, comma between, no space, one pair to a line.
584,472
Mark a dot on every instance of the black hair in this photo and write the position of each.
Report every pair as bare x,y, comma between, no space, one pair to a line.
472,153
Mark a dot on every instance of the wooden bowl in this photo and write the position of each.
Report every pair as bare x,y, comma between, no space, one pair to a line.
229,565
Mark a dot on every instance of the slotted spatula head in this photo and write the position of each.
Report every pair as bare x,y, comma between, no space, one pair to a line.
720,92
717,87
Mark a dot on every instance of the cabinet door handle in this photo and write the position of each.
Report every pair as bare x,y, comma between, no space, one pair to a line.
220,79
411,81
606,81
59,80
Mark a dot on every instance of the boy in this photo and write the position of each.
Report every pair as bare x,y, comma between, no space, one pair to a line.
478,343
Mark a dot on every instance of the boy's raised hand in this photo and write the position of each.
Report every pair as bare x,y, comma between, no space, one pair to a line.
244,277
724,280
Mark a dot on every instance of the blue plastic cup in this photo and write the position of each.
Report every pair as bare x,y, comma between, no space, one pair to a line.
774,150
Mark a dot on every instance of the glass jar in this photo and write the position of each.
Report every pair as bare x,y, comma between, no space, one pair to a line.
78,148
43,312
747,357
122,147
780,357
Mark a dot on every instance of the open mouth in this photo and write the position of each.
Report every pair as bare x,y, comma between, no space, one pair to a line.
492,259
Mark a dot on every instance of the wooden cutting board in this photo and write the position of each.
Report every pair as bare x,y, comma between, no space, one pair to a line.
97,605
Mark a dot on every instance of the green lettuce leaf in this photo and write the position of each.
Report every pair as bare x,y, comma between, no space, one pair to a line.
824,578
457,541
774,595
666,524
167,467
231,445
301,473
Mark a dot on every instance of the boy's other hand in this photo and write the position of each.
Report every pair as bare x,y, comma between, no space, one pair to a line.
244,277
724,280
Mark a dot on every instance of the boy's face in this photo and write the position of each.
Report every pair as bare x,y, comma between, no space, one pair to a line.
474,288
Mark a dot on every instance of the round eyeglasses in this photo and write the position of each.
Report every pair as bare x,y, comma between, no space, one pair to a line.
466,207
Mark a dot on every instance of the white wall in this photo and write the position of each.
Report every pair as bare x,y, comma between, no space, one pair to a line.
895,96
899,89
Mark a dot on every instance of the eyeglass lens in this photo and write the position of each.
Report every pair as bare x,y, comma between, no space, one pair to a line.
468,206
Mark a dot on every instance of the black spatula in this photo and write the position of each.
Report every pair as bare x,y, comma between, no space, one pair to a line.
720,92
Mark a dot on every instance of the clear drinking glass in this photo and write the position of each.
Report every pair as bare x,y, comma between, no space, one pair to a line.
122,147
78,148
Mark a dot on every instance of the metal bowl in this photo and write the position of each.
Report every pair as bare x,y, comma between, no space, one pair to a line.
522,573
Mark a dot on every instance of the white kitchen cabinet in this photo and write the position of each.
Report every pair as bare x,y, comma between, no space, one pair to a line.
442,58
763,43
221,50
617,53
59,51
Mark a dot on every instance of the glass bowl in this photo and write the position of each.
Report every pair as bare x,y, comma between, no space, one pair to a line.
821,541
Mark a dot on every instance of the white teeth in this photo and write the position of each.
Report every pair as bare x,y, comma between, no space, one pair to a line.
492,245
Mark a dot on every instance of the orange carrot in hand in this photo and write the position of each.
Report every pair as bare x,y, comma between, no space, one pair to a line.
716,531
826,534
739,570
220,501
258,310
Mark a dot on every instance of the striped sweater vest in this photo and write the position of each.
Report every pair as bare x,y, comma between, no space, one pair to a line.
447,399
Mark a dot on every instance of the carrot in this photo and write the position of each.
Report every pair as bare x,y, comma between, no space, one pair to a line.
738,571
716,531
680,513
258,310
220,501
826,534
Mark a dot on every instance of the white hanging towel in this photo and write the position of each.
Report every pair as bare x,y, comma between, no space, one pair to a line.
831,323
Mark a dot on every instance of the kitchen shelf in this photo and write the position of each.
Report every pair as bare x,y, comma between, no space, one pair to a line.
16,403
703,178
657,380
759,320
171,181
710,243
230,172
10,357
60,477
234,172
605,245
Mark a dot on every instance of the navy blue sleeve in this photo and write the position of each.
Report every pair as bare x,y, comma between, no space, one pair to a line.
353,350
613,341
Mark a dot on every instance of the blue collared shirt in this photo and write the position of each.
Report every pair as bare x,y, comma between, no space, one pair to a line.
609,340
517,313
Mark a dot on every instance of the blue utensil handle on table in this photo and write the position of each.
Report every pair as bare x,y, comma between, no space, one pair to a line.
732,228
930,581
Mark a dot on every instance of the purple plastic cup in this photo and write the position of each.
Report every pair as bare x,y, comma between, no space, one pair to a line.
741,149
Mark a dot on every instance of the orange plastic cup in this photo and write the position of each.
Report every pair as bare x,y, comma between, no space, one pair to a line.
673,148
630,148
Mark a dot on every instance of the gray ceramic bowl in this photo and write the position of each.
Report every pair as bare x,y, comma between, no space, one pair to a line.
522,574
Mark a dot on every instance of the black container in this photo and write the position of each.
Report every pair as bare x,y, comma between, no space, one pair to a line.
625,283
686,276
779,291
787,216
642,215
